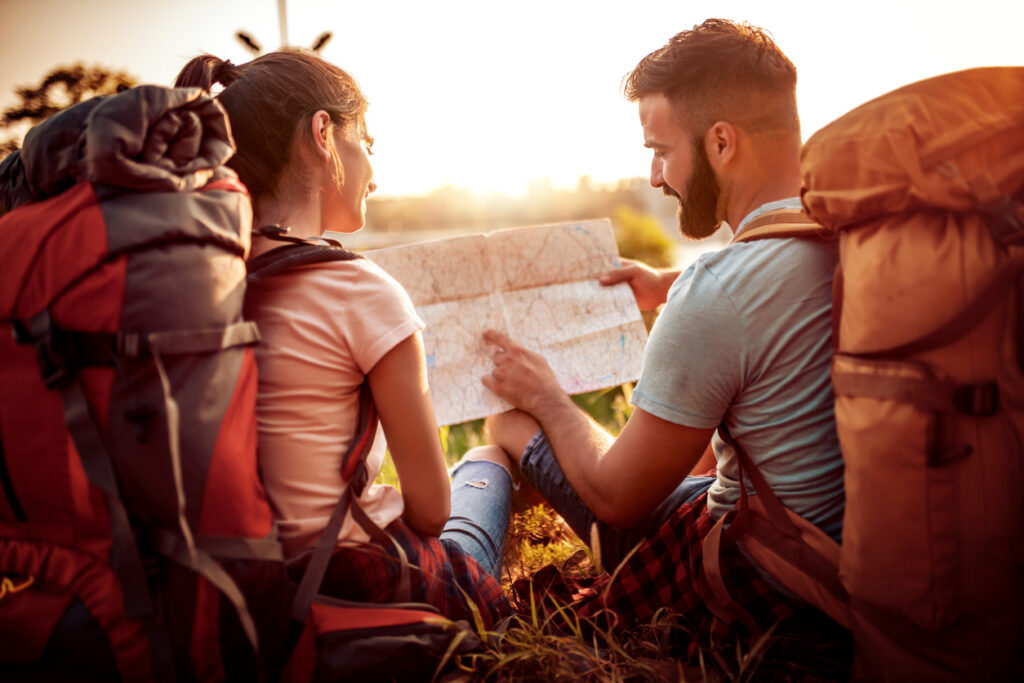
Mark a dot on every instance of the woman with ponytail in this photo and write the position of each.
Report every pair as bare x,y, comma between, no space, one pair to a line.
303,153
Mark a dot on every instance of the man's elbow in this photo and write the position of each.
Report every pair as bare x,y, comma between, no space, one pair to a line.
617,512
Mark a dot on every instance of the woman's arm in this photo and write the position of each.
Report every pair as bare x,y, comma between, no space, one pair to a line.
399,385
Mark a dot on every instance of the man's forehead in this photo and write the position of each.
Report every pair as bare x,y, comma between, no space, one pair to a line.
658,117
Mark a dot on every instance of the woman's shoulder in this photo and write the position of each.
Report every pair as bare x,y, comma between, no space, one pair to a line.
346,278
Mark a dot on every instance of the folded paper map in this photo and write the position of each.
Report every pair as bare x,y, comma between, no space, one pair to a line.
539,286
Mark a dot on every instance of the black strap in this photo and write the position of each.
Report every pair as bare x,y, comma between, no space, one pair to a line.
125,560
354,474
187,555
353,464
61,353
281,259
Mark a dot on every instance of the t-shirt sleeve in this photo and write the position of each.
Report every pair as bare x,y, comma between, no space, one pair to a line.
380,316
693,361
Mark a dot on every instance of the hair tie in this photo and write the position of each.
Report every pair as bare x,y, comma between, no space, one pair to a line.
226,73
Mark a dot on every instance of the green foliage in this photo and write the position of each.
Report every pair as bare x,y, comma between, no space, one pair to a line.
609,407
537,537
639,236
457,439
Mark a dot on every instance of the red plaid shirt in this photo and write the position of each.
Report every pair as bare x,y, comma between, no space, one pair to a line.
665,572
440,572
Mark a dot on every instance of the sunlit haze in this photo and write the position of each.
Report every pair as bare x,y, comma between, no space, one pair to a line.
488,95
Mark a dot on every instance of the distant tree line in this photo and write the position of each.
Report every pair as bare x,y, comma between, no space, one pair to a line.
456,208
638,212
59,89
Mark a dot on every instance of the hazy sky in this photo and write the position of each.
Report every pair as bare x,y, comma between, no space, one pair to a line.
488,95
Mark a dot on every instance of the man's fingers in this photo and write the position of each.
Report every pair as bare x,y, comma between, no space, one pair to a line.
497,338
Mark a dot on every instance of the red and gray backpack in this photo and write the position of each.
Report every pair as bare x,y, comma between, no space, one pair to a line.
136,540
135,534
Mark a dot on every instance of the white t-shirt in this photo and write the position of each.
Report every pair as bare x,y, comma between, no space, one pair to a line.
324,327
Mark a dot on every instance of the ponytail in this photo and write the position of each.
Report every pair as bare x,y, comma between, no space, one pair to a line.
206,70
267,101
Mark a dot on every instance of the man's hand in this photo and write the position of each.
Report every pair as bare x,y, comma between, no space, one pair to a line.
650,287
521,377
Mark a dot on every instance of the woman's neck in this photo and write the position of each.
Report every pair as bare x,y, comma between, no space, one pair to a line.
302,217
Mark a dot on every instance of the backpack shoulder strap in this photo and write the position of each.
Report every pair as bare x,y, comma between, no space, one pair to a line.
284,258
262,268
782,223
795,552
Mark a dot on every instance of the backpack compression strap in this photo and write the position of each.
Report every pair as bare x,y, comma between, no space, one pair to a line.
61,354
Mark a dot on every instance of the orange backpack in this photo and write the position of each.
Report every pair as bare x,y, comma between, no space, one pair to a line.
924,189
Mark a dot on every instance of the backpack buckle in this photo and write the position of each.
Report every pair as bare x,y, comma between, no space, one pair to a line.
979,400
54,346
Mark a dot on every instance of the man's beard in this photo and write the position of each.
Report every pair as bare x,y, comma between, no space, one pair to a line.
697,212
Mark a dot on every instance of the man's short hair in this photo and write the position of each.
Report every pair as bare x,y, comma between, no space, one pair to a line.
722,71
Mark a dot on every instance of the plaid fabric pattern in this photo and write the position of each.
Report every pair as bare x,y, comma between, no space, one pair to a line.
440,572
665,571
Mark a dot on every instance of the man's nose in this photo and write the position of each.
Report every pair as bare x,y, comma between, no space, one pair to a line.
657,179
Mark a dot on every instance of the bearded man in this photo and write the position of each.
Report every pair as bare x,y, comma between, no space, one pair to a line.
740,352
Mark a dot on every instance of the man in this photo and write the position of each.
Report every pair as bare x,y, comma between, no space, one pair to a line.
744,338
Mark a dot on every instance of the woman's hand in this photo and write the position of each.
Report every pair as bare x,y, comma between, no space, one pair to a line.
650,287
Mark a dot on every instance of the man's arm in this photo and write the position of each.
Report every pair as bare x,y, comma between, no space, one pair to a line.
650,287
621,480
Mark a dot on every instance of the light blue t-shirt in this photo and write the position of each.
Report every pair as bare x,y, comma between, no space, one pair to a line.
746,336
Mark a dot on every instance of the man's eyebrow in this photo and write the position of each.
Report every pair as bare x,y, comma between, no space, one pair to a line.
651,144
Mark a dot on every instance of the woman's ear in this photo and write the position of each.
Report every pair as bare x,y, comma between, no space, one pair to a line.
720,143
321,134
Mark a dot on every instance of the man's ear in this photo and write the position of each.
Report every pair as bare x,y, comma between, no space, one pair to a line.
720,143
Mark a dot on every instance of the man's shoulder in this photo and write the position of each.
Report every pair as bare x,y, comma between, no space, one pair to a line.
773,263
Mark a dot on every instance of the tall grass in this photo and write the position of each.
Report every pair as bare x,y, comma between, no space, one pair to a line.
547,641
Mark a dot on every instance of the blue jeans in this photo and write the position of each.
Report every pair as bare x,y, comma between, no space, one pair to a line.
539,467
481,507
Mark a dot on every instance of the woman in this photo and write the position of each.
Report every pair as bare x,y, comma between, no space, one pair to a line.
303,152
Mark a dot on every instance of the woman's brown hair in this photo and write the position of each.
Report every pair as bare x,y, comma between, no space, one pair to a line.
267,100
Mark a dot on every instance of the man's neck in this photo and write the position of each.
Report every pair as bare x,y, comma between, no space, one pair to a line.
775,176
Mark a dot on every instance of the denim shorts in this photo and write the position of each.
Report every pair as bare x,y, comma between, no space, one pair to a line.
540,468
